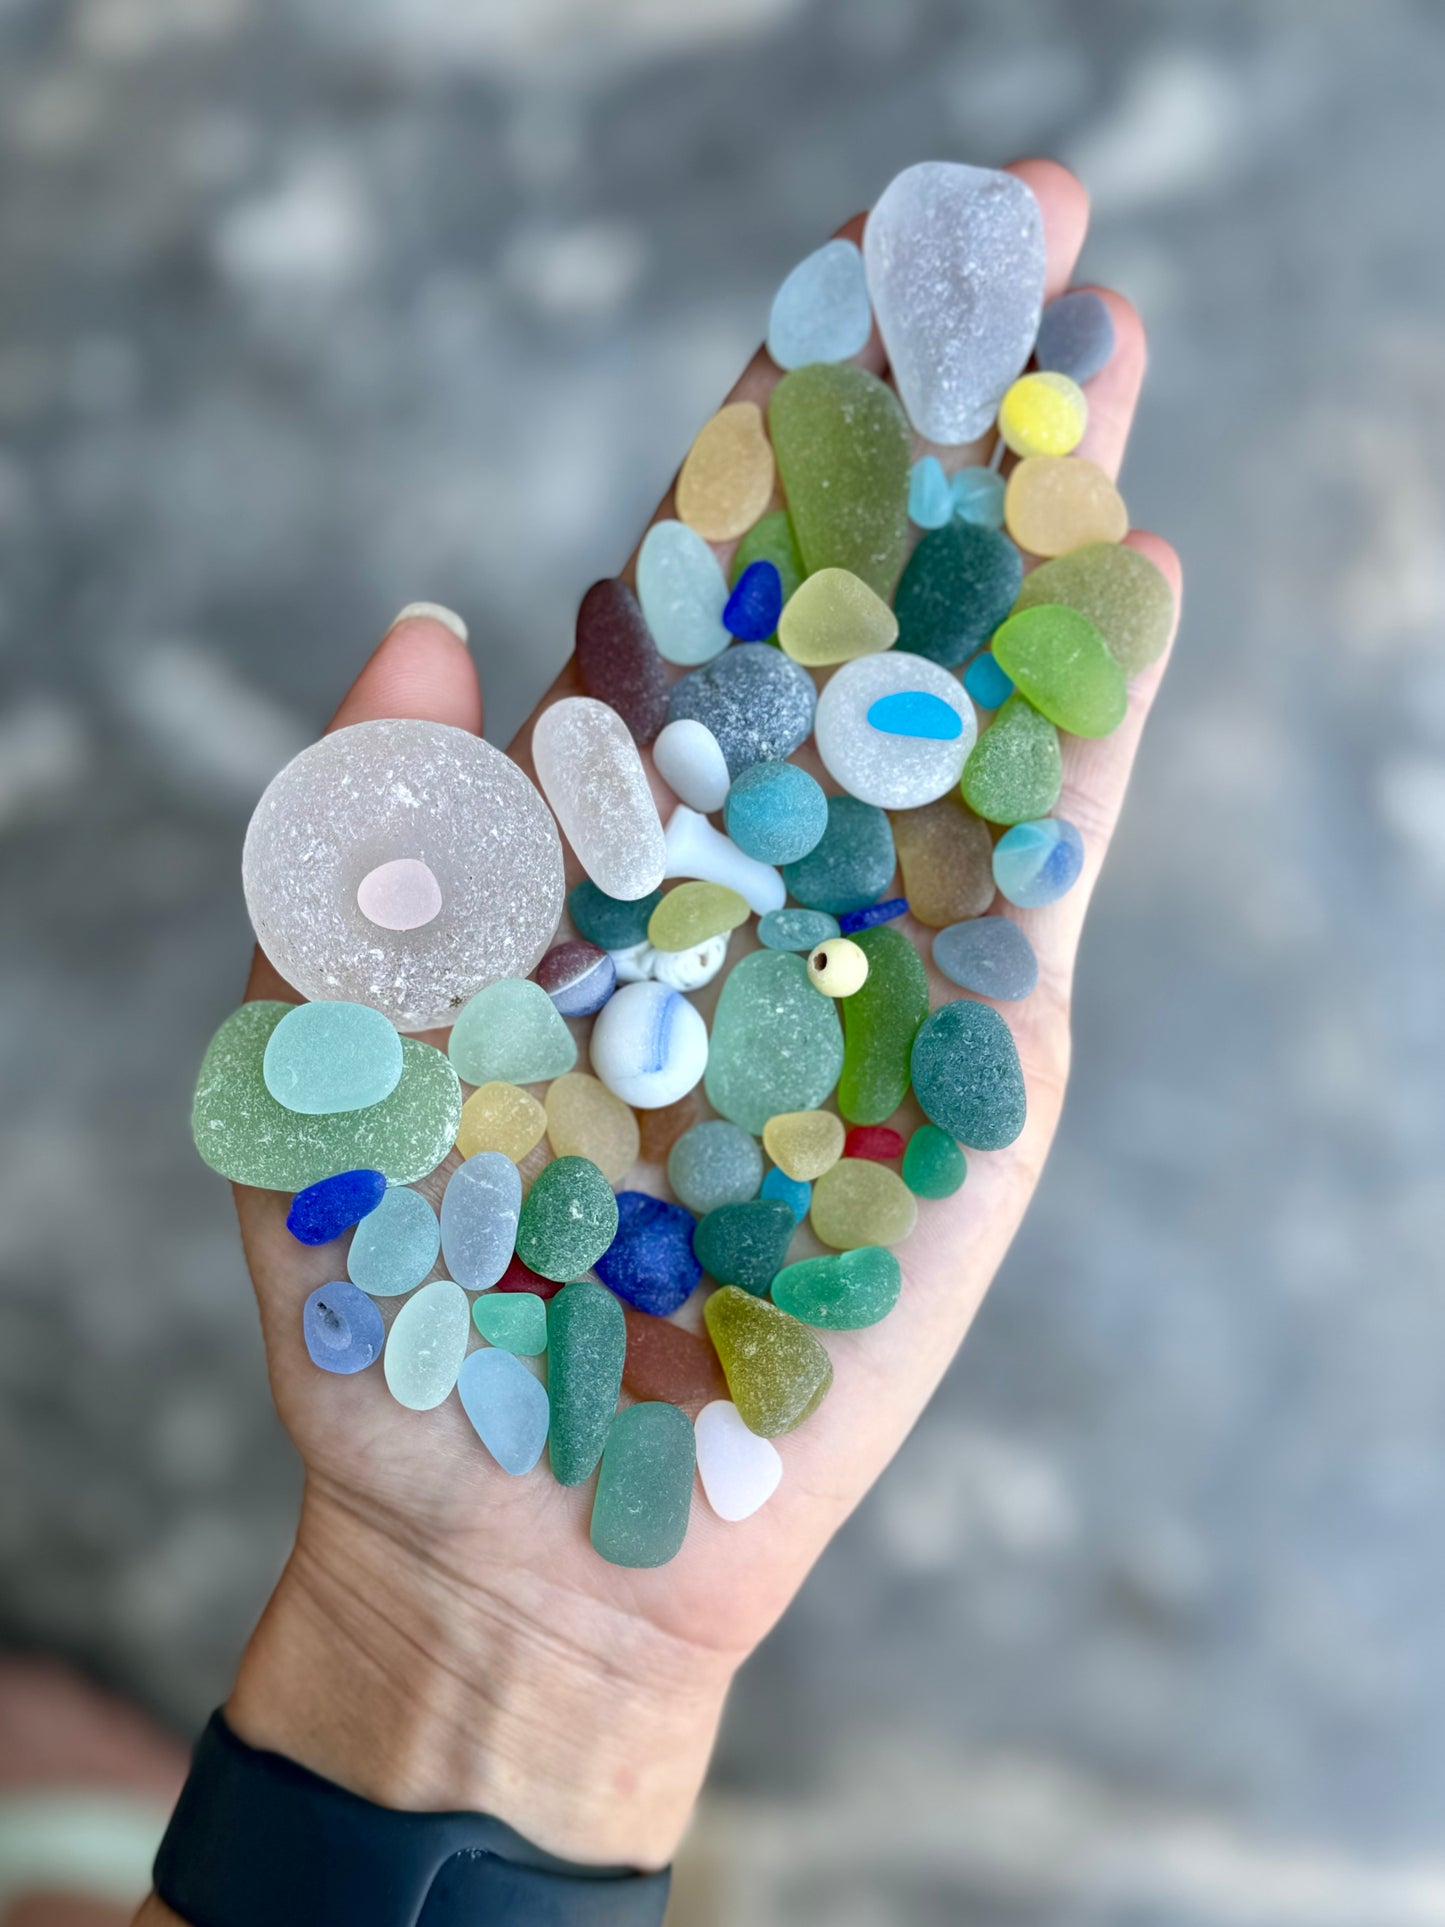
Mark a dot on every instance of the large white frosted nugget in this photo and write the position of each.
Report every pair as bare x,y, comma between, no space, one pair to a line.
592,775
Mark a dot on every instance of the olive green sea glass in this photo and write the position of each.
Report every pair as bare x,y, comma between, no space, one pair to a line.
843,447
693,913
586,1344
745,1244
568,1219
933,1164
644,1489
860,1202
777,1371
880,1022
776,1044
771,540
840,1294
1120,591
1060,662
242,1132
1015,770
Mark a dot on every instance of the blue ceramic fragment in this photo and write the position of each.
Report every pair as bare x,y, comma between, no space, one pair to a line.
508,1407
793,929
988,955
1076,335
978,497
755,604
650,1262
916,712
854,920
930,500
989,686
1036,863
795,1193
323,1211
342,1328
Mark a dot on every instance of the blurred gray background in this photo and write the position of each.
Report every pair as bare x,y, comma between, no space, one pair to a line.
307,310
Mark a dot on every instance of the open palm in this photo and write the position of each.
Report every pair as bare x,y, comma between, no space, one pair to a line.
419,1488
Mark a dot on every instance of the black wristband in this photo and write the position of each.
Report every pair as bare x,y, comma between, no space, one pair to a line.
258,1841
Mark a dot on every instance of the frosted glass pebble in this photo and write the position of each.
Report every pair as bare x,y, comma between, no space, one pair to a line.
959,585
988,955
568,1220
846,1293
792,929
988,685
617,660
607,921
692,968
756,603
644,1486
402,894
1076,334
1059,661
930,499
395,1246
1016,769
383,790
1036,863
978,497
793,1192
342,1329
771,540
821,311
955,263
242,1132
683,593
804,1144
916,712
585,1120
843,450
946,856
1057,503
776,1044
650,1264
726,481
426,1345
1121,592
480,1208
893,772
839,968
777,1372
691,913
500,1117
689,761
740,1472
757,702
649,1045
323,1058
512,1033
695,849
578,977
879,1025
592,775
508,1408
714,1164
859,1202
513,1321
1043,414
851,866
833,617
872,914
776,812
323,1211
967,1078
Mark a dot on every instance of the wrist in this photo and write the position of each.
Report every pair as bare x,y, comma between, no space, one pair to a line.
422,1685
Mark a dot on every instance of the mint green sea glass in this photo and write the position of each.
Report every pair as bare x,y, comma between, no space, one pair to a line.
644,1488
845,1293
880,1022
843,446
513,1321
933,1164
511,1033
776,1044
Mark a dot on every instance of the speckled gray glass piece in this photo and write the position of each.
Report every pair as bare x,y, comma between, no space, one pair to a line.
955,260
592,775
757,702
378,791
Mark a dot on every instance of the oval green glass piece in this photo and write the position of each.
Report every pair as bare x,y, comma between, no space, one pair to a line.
644,1489
880,1022
933,1165
967,1077
568,1219
860,1202
771,540
777,1371
242,1132
1120,591
1015,770
692,913
586,1344
776,1043
511,1033
843,447
323,1058
841,1294
1061,663
959,585
851,866
513,1321
745,1244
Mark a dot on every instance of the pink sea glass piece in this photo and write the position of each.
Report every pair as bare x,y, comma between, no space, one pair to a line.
401,895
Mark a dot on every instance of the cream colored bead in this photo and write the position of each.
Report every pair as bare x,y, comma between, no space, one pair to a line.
837,967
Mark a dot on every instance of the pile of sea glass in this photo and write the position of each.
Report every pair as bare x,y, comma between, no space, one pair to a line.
875,621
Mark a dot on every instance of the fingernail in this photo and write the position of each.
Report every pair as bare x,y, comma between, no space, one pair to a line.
436,612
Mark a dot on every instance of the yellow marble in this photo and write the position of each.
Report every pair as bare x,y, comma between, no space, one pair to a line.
1043,414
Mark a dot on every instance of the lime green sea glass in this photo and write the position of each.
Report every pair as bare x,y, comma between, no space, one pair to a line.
693,913
586,1344
843,447
1060,662
242,1132
1015,770
880,1022
777,1372
644,1489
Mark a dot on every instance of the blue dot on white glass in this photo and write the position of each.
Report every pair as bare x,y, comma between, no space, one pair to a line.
915,712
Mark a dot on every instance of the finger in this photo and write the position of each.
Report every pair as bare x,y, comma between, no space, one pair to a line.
1064,203
1113,394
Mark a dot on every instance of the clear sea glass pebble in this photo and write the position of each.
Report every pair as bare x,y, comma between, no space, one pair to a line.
394,1247
592,775
955,261
380,791
990,956
821,311
894,772
507,1406
739,1471
683,593
480,1208
329,1057
426,1345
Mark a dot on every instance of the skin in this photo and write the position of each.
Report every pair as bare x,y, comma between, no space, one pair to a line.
443,1636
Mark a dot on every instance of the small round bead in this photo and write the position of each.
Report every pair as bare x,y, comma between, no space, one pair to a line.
1043,414
838,967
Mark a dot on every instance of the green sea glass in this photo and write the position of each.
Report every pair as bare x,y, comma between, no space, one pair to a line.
777,1371
933,1164
745,1244
843,447
959,585
568,1219
242,1132
1060,662
586,1344
776,1044
513,1321
967,1077
511,1033
1015,770
644,1489
771,540
851,866
880,1022
860,1202
840,1294
1120,591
